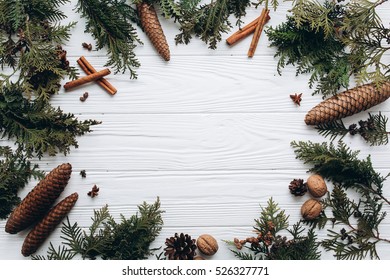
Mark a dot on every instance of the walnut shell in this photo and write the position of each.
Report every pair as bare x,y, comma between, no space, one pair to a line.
199,258
207,244
316,185
311,209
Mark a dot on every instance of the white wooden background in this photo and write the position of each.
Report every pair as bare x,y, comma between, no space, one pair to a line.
208,132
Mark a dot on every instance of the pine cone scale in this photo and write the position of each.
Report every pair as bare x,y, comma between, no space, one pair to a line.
39,200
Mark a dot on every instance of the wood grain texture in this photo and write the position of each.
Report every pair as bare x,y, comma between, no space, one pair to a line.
209,133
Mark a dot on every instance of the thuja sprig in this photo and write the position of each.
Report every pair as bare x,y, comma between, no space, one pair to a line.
129,239
30,38
341,166
270,245
373,130
333,41
110,23
37,127
15,172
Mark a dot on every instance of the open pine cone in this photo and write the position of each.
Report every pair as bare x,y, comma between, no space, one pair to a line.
180,247
297,187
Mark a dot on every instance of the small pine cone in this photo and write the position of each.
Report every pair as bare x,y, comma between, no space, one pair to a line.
43,229
152,27
297,187
180,247
39,200
348,103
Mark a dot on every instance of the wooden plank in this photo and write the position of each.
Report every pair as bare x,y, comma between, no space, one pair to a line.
190,142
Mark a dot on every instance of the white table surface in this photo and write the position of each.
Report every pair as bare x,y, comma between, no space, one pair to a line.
208,132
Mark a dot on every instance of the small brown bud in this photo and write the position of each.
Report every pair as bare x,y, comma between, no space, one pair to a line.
311,209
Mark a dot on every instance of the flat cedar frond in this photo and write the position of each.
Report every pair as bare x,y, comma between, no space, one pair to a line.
341,166
15,172
270,245
362,218
332,41
373,130
128,239
30,39
36,126
109,22
209,21
272,213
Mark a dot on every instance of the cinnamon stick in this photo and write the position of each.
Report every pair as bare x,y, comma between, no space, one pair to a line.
87,79
258,31
89,69
245,31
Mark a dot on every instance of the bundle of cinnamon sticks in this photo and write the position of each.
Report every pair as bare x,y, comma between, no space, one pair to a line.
92,75
256,27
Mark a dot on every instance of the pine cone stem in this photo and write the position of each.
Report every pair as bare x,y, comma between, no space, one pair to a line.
348,103
43,229
152,27
39,200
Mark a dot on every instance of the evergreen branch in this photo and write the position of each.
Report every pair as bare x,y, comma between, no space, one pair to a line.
209,21
30,43
373,130
333,41
341,166
37,127
109,22
268,245
15,172
129,239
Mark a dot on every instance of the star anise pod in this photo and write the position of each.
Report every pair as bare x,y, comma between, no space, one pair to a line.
296,98
94,192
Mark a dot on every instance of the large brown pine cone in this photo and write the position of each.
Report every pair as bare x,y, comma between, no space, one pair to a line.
43,229
39,200
348,103
152,27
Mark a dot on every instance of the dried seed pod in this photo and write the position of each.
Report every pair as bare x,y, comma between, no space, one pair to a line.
348,103
152,27
39,200
43,229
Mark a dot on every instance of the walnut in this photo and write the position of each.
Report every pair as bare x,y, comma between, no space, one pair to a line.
207,244
316,185
311,209
199,258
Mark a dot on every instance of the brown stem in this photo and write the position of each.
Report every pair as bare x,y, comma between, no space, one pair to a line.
89,69
258,31
87,79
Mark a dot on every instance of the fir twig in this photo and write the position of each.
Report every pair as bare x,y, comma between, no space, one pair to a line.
373,130
37,127
346,171
15,172
129,239
333,41
109,22
270,245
